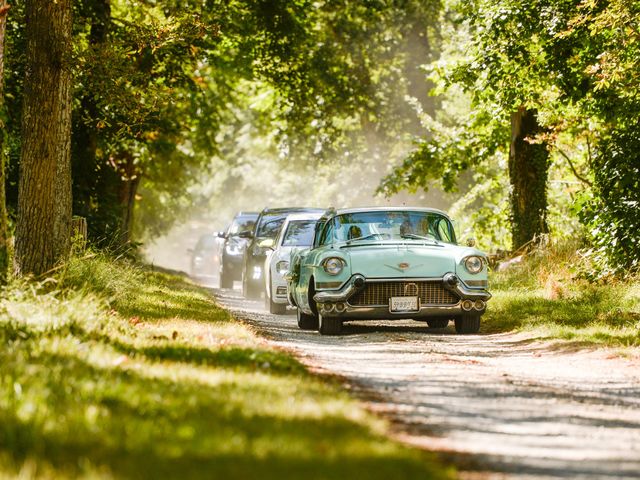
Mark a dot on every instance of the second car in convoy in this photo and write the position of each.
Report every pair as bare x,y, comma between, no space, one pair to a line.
295,234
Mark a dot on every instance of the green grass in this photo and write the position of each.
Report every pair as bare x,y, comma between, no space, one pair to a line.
112,371
546,296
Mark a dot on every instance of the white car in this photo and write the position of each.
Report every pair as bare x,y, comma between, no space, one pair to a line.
296,233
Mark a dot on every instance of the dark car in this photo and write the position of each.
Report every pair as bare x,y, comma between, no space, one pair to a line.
233,247
204,256
260,240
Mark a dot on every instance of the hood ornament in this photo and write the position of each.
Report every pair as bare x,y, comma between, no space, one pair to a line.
402,266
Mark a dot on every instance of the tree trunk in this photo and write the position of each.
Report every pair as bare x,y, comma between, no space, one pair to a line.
528,171
43,229
128,190
4,227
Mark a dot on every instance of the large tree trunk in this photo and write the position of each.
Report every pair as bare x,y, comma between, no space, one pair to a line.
4,230
528,171
44,193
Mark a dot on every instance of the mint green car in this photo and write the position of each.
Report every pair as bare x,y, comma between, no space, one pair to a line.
387,263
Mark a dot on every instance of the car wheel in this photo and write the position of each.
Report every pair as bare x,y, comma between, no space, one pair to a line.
467,324
329,325
306,322
273,307
438,322
226,280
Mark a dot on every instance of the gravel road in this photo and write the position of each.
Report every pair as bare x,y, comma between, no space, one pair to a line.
498,406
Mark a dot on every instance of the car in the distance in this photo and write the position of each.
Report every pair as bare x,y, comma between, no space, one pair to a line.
260,241
204,256
233,246
296,233
388,263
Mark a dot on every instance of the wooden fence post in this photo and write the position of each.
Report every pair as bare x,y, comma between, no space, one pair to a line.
79,233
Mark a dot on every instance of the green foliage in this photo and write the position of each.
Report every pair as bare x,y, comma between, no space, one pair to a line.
613,216
609,60
110,370
576,64
548,297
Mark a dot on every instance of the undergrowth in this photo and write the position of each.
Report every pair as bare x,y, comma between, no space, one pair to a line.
551,294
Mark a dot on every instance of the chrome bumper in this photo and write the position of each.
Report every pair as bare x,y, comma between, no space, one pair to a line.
451,282
349,289
335,302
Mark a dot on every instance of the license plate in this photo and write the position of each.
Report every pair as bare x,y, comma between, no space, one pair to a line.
403,304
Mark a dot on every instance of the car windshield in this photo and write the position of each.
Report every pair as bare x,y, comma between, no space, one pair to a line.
270,227
390,225
241,224
299,233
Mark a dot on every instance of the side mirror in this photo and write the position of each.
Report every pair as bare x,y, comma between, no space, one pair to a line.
266,243
471,242
221,235
246,234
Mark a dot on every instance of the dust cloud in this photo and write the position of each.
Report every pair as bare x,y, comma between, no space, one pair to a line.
351,184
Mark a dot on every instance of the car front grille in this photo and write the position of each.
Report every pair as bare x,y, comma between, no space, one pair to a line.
378,293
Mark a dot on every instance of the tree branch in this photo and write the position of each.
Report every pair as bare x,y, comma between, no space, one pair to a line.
573,169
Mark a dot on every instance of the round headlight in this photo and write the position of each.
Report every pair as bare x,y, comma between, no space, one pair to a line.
333,265
282,267
473,264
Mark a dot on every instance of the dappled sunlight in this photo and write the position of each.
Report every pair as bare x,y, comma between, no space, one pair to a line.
174,390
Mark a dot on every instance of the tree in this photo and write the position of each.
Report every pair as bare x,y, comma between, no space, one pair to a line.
44,199
528,171
4,228
338,69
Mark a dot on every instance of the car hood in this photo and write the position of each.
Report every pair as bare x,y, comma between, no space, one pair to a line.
404,260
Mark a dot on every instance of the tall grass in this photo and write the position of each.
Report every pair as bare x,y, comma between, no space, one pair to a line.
110,370
549,294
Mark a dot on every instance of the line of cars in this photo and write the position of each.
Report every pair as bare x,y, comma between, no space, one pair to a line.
334,266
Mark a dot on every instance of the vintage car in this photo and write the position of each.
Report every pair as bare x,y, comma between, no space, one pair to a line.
387,263
296,233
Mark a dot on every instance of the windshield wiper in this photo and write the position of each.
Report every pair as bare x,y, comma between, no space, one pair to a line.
420,237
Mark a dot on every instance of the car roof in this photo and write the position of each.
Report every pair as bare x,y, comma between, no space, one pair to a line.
304,216
343,211
285,210
247,214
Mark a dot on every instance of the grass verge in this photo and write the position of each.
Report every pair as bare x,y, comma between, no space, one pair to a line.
547,296
111,371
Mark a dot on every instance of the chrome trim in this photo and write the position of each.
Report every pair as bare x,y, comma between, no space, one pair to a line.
347,290
451,282
382,312
328,284
477,283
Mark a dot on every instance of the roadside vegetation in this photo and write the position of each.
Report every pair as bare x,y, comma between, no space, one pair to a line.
550,293
110,370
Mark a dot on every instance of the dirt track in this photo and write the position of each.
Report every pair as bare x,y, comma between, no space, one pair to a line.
498,404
